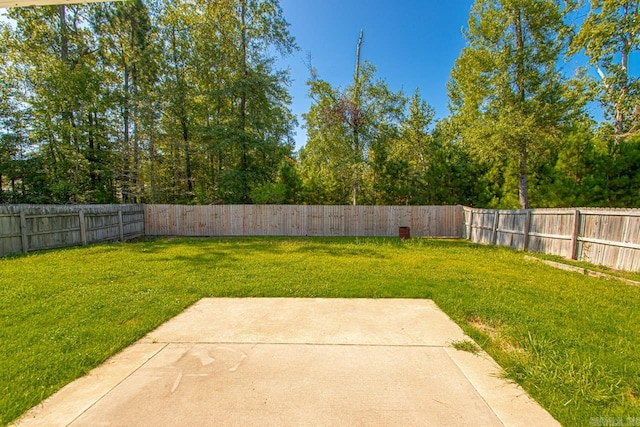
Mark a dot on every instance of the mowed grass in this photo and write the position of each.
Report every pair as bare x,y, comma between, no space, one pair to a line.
573,342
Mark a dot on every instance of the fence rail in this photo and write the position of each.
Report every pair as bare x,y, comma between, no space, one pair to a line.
25,228
301,220
599,236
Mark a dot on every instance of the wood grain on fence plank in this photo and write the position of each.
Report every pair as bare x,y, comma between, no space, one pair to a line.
600,236
302,220
54,226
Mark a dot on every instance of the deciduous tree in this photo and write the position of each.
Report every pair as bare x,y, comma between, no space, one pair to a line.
347,129
506,91
609,36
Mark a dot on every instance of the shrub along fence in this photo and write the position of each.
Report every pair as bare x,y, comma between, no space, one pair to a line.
302,220
609,237
25,228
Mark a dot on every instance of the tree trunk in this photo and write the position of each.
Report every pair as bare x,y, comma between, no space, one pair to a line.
244,165
182,115
187,152
64,39
356,124
133,93
523,184
135,167
152,158
126,187
624,84
67,114
51,146
92,157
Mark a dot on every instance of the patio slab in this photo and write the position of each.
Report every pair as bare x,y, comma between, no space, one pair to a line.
296,362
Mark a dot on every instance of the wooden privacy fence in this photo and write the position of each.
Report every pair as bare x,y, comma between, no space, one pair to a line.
599,236
25,228
302,220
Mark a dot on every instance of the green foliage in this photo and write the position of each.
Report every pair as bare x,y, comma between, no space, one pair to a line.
184,102
609,36
286,190
152,101
565,337
228,123
269,193
402,162
57,98
349,130
507,96
519,134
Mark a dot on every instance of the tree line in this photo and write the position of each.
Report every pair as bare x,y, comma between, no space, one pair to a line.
155,101
162,101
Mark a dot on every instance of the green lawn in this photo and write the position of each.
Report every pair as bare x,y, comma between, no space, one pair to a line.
573,342
635,276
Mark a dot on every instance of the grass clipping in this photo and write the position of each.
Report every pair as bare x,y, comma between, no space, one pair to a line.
466,345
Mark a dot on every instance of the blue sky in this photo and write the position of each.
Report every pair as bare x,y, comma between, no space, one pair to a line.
413,43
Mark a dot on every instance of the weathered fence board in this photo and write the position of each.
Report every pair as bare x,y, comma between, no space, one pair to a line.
599,236
301,220
25,228
611,239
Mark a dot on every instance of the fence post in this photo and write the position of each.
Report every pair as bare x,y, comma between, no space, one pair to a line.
83,231
121,225
470,232
459,223
494,235
574,235
23,232
527,228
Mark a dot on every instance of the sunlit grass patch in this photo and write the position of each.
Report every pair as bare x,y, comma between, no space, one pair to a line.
570,340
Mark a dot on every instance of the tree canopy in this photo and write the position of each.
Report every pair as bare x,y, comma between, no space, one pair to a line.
161,101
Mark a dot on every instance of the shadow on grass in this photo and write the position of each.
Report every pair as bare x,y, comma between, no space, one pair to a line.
339,252
212,249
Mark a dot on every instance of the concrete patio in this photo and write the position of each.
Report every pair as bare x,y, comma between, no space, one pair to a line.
296,362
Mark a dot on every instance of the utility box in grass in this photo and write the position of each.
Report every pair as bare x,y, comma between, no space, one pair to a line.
404,233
